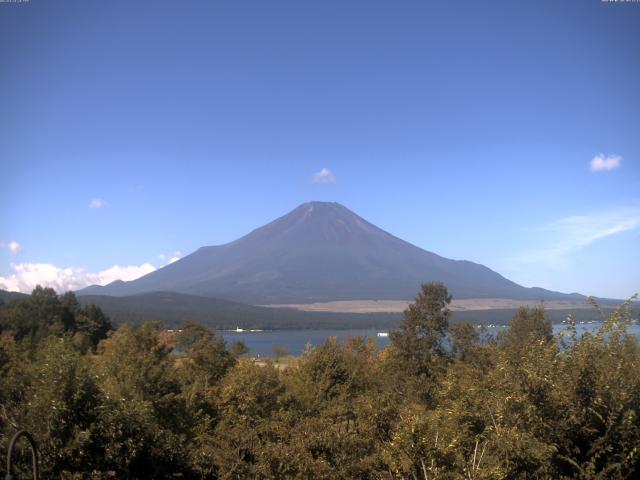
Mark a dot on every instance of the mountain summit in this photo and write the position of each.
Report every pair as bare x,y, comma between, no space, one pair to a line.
319,252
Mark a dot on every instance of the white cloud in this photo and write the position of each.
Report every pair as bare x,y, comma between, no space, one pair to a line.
324,176
119,273
97,203
13,246
571,234
26,276
167,259
605,163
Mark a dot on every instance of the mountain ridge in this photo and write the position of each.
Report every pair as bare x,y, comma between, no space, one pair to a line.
320,251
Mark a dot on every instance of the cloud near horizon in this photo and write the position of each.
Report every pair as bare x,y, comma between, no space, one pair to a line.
177,255
26,276
324,176
97,203
605,163
13,246
571,234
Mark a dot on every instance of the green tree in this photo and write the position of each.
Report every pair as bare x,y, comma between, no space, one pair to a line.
145,421
337,411
44,313
37,316
207,360
529,325
249,397
92,324
15,383
238,349
62,410
464,341
418,353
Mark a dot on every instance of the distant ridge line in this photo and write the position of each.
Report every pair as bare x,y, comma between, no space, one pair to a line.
321,252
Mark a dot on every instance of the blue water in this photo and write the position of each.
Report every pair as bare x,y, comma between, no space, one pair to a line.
263,343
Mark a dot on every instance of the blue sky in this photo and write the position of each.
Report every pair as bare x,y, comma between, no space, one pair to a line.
466,128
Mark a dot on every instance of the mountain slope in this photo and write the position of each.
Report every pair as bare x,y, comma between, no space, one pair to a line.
319,252
8,297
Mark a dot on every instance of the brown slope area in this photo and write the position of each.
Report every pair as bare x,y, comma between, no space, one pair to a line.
465,304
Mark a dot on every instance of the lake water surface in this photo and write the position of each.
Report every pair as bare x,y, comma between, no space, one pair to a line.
263,343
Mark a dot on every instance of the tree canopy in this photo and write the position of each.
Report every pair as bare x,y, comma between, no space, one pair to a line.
438,403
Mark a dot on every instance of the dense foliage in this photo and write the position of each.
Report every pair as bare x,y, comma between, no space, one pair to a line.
436,404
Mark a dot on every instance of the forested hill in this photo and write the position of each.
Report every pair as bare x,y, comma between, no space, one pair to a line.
6,297
174,308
